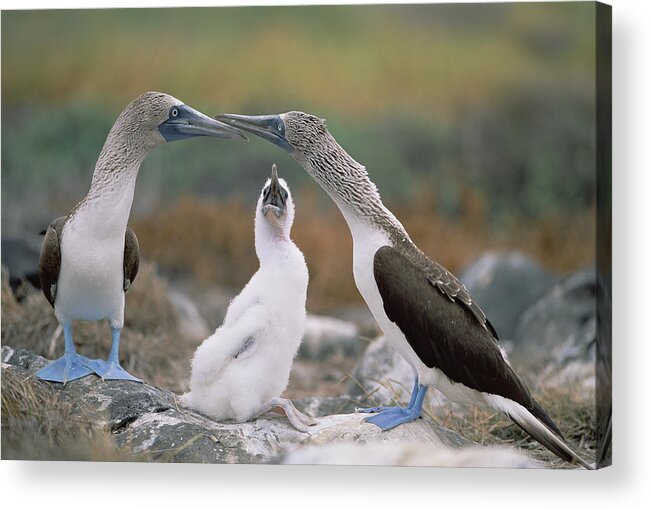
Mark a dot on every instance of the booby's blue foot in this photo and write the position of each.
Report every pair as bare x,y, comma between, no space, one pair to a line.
112,371
392,416
70,366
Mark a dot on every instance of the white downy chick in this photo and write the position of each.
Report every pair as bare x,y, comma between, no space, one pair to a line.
240,371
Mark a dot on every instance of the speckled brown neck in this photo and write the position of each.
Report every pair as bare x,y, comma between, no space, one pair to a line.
348,184
117,167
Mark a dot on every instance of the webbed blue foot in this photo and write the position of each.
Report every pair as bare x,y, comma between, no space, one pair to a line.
70,366
392,416
112,370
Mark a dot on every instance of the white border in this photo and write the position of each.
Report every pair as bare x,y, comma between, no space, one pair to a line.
627,484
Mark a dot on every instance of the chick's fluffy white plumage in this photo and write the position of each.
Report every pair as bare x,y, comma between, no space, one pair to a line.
241,370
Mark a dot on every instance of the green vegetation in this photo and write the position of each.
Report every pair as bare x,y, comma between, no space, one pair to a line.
495,98
476,122
361,61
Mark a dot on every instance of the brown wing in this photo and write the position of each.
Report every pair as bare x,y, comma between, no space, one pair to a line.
454,289
49,262
131,258
443,331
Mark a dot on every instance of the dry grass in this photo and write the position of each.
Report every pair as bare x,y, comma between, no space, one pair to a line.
37,425
213,241
570,404
151,347
572,410
560,242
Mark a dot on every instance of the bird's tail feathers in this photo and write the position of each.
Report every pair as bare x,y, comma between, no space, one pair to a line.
540,414
547,435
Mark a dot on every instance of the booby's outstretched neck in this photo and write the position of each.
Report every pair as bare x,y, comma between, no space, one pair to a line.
423,309
90,258
241,370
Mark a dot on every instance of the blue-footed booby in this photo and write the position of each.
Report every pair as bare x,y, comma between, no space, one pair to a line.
240,371
89,258
424,310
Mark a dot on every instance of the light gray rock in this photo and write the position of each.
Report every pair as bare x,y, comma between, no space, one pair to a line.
149,422
325,335
181,435
560,328
360,316
20,259
210,302
381,373
384,377
329,405
191,323
505,285
408,453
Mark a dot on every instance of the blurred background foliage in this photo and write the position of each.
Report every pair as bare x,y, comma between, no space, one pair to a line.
476,121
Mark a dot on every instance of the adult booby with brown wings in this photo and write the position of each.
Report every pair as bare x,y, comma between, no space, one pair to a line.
423,309
89,258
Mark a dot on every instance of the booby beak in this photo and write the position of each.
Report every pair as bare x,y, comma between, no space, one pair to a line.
268,127
186,122
274,197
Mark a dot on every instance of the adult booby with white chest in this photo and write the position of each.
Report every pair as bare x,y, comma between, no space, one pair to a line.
240,371
424,310
89,258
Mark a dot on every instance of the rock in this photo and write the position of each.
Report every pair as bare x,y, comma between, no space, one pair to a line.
114,404
329,405
360,316
149,422
191,323
505,285
325,335
382,374
211,302
408,453
20,257
184,436
385,378
561,326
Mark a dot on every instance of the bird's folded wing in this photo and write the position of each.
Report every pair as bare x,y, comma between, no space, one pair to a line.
234,341
131,258
245,333
49,262
449,285
443,331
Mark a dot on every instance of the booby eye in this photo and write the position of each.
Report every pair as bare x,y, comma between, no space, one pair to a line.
174,112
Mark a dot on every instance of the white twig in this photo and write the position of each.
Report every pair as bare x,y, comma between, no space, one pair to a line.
53,341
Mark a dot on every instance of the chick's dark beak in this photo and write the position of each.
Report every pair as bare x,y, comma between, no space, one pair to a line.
274,196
